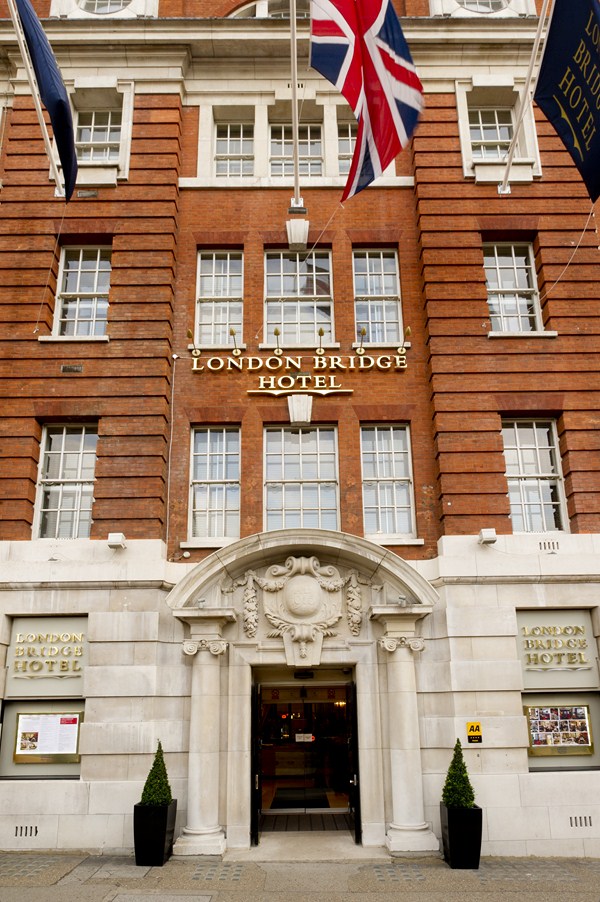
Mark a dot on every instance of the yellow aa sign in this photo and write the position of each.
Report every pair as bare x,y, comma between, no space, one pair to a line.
474,731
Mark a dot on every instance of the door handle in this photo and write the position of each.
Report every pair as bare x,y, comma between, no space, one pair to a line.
354,781
256,781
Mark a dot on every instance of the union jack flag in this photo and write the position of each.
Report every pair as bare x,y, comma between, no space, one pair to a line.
358,45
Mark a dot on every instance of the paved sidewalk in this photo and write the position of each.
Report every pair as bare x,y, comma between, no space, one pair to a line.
65,877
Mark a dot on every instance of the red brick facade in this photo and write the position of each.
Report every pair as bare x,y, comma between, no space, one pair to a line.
458,384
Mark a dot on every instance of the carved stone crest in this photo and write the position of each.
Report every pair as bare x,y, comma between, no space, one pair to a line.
302,601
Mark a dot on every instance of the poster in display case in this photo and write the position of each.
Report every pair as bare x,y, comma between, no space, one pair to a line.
48,738
559,730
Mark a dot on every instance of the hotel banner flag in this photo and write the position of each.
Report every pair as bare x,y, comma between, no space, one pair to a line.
568,86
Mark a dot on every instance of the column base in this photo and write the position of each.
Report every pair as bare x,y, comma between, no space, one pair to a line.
196,843
411,838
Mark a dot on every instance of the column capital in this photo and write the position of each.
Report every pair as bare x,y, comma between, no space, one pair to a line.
399,625
214,646
391,643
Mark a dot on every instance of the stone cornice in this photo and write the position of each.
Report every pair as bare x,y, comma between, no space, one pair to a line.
264,38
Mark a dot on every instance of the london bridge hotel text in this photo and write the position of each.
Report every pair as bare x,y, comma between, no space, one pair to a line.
580,85
48,653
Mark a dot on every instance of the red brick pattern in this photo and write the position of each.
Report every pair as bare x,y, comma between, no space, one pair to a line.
458,385
125,383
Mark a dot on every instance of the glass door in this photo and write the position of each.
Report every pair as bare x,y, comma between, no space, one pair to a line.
305,750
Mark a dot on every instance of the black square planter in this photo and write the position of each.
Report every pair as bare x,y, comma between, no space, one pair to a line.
153,831
461,836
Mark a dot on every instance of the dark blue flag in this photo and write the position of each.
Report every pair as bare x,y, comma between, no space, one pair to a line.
52,91
568,88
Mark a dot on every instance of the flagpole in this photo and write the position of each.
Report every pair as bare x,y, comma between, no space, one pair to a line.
34,92
525,98
297,204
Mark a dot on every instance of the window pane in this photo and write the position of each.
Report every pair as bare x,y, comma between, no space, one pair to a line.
66,487
377,302
82,304
512,290
295,289
98,136
301,477
387,481
220,287
215,490
535,488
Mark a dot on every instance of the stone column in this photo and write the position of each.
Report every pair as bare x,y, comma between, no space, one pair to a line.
408,831
203,834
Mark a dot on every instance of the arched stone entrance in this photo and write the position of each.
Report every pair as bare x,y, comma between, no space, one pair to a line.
303,598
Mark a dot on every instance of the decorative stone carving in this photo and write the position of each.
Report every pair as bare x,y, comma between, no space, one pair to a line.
214,646
250,607
302,601
391,643
250,600
354,603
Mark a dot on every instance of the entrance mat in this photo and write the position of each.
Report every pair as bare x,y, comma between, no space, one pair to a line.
299,798
306,823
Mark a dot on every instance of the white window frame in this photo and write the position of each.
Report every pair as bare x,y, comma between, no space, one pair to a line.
271,108
222,302
347,131
230,159
310,134
526,474
216,487
503,296
135,9
270,9
300,475
103,7
102,95
98,151
392,476
80,297
490,92
495,148
388,301
81,486
455,9
296,301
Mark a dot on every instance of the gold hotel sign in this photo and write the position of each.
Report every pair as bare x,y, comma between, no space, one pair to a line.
289,374
48,653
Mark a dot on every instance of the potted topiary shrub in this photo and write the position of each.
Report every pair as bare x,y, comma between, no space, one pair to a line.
461,817
154,816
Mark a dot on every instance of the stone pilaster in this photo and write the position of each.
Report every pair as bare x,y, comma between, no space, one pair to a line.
203,833
408,831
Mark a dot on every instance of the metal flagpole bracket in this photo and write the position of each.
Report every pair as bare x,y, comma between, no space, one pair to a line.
297,206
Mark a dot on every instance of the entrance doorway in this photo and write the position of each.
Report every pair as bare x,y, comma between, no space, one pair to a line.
305,774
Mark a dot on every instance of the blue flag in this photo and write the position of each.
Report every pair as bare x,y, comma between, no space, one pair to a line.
568,88
52,91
